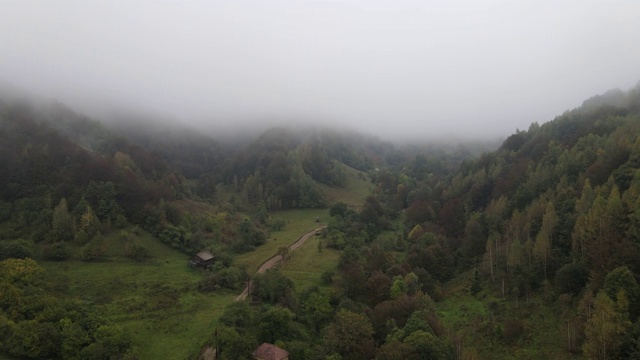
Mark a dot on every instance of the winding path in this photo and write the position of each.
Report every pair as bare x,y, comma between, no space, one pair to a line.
275,259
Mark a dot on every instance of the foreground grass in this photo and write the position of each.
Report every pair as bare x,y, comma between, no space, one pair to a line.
156,301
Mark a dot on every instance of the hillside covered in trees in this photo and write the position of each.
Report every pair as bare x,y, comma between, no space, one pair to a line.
530,249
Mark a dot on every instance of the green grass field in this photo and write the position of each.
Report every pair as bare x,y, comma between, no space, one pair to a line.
155,301
298,222
306,265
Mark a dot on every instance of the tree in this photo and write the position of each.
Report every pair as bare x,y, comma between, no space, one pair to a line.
57,251
317,310
61,224
571,278
605,329
350,335
542,247
283,251
476,285
89,223
272,286
622,279
398,287
233,346
275,324
428,346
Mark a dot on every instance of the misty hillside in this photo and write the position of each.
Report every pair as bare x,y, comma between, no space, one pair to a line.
552,213
528,250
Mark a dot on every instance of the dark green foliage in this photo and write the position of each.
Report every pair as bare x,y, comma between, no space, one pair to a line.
137,252
273,287
622,279
238,314
350,336
249,237
5,210
35,324
17,249
233,278
571,278
275,324
476,285
94,250
232,345
58,251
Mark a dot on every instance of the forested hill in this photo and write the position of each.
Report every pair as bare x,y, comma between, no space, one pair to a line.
153,176
554,211
563,169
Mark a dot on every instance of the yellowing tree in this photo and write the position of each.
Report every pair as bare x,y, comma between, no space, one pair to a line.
605,329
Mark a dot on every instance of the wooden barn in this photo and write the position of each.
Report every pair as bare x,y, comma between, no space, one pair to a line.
202,259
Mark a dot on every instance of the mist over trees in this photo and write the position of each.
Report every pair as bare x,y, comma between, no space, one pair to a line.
546,223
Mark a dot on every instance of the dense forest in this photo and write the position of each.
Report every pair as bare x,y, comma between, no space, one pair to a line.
530,249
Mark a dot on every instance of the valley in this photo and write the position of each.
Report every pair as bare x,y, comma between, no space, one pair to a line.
355,248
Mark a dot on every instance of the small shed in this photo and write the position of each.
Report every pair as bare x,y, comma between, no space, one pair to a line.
268,351
202,259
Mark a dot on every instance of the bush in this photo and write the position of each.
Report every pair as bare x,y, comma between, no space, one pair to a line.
327,277
277,225
94,250
137,252
18,249
58,251
208,284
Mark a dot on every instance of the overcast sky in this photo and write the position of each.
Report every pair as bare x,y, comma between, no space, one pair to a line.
391,68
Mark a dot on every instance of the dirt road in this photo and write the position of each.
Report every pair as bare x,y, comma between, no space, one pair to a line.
275,259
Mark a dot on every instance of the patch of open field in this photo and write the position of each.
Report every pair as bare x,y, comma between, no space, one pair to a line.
156,301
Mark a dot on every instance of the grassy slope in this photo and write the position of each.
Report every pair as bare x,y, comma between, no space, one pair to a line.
155,301
357,189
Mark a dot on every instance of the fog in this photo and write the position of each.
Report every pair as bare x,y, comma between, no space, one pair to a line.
395,69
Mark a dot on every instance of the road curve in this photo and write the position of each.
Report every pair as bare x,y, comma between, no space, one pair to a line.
275,259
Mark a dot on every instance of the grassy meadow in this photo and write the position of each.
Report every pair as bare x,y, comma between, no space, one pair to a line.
306,265
298,222
156,301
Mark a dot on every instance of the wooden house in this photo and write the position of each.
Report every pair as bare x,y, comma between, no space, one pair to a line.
268,351
202,259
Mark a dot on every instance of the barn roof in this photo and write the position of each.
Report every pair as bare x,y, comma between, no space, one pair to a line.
204,255
268,351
